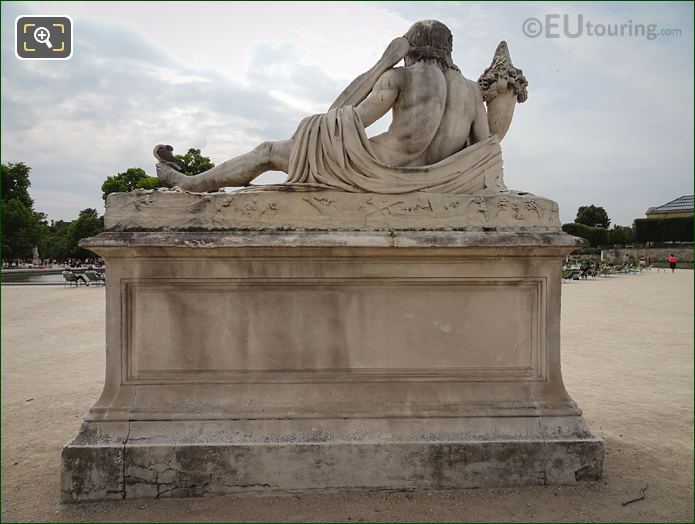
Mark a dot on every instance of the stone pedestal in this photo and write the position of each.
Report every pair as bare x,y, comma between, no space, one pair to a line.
299,360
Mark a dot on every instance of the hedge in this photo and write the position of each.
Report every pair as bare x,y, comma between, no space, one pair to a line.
621,235
586,251
596,236
670,229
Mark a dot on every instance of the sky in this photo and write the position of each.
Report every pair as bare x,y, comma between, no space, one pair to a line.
609,119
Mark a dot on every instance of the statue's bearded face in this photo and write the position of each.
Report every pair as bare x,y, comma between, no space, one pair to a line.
430,40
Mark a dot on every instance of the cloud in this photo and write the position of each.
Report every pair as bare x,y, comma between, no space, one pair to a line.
608,121
78,121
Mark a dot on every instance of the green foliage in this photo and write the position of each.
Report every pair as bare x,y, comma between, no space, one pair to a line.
15,184
596,236
621,235
88,224
587,251
123,182
21,229
151,182
53,243
670,229
593,216
60,239
194,162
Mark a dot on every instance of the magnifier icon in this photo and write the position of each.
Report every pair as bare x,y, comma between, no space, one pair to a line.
42,36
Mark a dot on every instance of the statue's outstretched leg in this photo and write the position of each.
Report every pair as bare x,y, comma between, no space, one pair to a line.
236,172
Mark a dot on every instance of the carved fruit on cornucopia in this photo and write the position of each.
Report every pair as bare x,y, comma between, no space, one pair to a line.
503,86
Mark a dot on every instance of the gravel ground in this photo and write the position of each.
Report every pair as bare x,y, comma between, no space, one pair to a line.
627,360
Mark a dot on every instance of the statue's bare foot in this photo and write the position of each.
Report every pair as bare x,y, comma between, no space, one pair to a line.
170,176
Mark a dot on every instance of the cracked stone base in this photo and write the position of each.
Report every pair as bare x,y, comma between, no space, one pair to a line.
237,458
324,360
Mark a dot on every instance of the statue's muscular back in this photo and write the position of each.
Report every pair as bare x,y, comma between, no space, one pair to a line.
433,114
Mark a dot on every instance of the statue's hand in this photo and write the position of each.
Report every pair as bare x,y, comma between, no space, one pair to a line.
169,175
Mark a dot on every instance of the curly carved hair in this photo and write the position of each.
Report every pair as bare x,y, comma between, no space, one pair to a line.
432,42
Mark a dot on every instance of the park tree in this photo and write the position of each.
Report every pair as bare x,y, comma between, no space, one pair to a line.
593,216
87,224
123,182
621,235
150,182
53,244
21,229
15,183
194,162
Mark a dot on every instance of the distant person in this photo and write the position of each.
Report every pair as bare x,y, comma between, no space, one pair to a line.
100,275
672,262
78,277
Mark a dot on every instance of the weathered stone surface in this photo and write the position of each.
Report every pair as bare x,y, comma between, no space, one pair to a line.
356,359
93,463
439,139
259,208
503,85
388,318
301,242
174,459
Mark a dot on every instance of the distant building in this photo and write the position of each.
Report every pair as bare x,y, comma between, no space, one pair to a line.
680,207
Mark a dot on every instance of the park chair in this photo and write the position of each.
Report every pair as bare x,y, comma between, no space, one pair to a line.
605,271
570,274
70,279
94,278
635,269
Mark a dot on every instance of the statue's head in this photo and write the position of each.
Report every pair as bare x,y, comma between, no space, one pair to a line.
430,41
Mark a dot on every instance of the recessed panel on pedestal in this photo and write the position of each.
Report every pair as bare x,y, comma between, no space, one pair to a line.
327,329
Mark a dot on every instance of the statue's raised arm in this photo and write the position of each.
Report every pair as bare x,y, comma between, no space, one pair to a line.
361,86
438,141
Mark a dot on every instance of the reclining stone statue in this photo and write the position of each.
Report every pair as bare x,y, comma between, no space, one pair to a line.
441,139
387,318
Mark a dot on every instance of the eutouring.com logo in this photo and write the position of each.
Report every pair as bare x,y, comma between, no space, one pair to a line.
554,25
